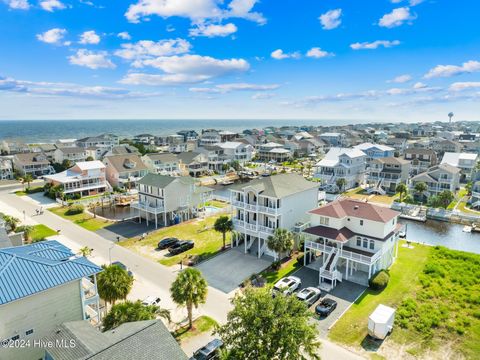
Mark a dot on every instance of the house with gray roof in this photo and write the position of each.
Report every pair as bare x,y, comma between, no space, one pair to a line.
263,205
124,170
167,200
193,163
34,164
438,178
71,153
162,163
42,286
385,174
140,340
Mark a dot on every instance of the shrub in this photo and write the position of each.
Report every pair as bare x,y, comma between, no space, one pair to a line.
379,281
74,210
34,190
276,265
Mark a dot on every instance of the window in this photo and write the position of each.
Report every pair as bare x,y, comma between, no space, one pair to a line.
29,332
324,220
359,241
372,245
361,222
365,243
16,337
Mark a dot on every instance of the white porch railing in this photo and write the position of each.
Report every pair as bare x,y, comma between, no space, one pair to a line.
145,207
268,210
344,253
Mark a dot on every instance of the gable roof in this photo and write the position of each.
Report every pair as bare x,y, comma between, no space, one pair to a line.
278,186
130,162
162,157
162,181
333,155
29,269
139,340
348,207
368,146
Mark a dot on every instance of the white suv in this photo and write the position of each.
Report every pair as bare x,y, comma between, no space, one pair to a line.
287,285
309,295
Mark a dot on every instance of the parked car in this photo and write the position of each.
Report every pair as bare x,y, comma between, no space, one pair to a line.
325,307
208,352
287,285
309,295
166,243
151,300
123,266
181,246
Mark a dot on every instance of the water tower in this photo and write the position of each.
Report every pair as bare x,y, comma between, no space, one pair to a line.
450,116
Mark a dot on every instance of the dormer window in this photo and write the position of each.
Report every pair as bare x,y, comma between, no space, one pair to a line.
361,222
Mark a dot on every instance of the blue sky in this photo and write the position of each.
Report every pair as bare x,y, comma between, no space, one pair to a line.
391,60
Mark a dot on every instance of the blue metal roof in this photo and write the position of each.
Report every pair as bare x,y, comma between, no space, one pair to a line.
26,270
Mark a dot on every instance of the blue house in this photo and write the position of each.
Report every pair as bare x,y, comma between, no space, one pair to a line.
43,285
375,151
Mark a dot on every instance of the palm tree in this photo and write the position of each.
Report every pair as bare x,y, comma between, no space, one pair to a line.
27,179
420,187
223,225
114,283
401,189
85,251
11,222
189,289
281,241
27,233
129,311
341,182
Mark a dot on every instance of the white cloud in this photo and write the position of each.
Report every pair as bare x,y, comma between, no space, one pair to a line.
263,96
52,36
18,4
67,89
147,49
460,86
213,30
225,88
186,69
318,53
124,35
331,19
52,5
401,79
374,45
411,2
453,70
91,59
89,37
280,55
396,18
197,11
420,85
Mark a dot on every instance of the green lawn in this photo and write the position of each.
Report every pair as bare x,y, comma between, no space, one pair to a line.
286,269
200,325
40,232
462,206
84,220
351,329
31,190
436,292
216,203
207,241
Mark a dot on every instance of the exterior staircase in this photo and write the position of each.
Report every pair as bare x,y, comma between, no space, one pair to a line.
329,272
377,188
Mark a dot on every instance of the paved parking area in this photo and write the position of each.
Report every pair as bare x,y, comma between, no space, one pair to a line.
125,230
344,294
226,271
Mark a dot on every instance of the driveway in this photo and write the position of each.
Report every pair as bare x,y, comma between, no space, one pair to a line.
344,294
125,230
226,271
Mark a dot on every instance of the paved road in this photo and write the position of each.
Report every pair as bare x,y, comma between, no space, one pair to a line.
151,278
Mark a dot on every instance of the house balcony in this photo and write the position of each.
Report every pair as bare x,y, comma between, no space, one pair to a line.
357,255
268,210
252,229
148,207
239,204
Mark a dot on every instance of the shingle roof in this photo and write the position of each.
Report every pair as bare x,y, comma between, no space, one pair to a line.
163,157
29,269
392,160
359,209
162,181
278,186
140,340
130,162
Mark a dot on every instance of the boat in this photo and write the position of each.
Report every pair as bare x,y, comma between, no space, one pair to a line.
467,229
402,234
475,228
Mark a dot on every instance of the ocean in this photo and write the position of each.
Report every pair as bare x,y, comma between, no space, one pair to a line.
44,131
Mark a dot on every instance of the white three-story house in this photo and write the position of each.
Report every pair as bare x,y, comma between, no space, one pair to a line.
265,204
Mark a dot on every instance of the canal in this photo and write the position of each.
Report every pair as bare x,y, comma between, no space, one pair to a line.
442,233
